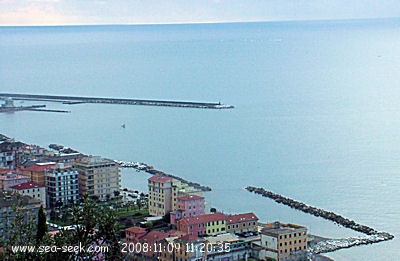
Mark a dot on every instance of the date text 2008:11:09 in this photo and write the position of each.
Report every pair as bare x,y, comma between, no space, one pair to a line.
139,247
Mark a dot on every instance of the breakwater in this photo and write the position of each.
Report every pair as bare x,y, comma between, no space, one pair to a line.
21,108
81,99
151,170
373,236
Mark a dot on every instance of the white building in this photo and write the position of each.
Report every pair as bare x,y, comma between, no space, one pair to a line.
31,189
62,186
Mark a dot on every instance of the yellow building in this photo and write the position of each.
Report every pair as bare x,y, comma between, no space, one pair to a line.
98,177
283,241
164,192
37,172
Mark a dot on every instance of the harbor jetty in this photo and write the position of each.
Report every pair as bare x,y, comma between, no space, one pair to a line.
372,235
81,99
151,170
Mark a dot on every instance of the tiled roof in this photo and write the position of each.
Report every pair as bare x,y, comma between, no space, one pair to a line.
190,197
238,218
188,238
136,230
154,236
160,179
26,185
12,176
4,170
40,168
201,219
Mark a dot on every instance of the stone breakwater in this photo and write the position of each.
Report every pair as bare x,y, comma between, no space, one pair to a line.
373,236
151,170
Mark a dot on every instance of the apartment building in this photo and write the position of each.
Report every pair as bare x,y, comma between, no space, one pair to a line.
37,172
8,200
32,190
9,178
160,195
62,186
283,241
202,225
164,192
241,223
187,206
98,177
10,151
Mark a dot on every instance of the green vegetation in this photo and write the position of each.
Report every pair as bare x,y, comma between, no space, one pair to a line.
41,226
95,226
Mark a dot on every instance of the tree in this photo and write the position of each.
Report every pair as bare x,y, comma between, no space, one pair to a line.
94,227
20,230
41,225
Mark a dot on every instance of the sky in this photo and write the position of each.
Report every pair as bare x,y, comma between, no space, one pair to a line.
78,12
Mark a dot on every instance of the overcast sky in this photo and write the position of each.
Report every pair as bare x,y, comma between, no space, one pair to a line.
65,12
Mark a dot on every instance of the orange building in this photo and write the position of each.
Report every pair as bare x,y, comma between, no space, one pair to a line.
37,172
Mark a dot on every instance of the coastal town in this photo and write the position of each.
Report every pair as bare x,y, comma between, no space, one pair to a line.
170,221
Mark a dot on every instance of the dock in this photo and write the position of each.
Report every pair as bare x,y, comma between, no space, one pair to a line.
71,100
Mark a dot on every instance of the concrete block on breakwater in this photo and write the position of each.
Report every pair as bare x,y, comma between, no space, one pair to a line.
373,236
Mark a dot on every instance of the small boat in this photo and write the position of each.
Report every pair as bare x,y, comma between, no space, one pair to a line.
123,126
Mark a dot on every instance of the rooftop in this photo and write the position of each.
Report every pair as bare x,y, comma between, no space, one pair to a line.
40,167
278,228
11,198
188,238
160,178
11,176
237,218
154,236
27,185
228,237
136,230
190,197
200,219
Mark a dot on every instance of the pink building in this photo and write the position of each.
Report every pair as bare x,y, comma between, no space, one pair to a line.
187,206
207,224
9,179
133,234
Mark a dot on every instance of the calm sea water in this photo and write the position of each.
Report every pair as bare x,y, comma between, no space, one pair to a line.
317,114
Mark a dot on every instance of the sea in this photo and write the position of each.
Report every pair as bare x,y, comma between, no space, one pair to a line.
316,117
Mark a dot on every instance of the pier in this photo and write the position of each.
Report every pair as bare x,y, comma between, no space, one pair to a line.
70,100
372,235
